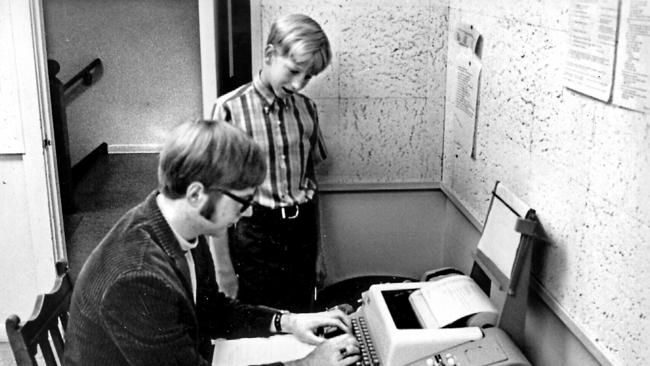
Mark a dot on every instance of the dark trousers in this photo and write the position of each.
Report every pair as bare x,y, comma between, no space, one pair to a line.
275,258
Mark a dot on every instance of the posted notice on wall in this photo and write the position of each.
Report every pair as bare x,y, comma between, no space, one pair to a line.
632,78
592,45
466,70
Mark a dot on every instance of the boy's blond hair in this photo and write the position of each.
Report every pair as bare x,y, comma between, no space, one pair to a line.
303,40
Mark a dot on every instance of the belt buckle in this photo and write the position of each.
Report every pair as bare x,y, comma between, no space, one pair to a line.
291,217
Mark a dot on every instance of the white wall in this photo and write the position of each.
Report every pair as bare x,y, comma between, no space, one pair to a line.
26,235
583,164
151,79
381,102
367,233
555,149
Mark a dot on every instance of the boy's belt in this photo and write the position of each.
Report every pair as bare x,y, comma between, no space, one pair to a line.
280,213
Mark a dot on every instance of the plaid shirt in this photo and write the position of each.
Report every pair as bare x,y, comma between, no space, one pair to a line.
288,133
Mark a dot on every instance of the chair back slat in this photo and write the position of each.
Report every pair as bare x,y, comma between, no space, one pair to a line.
44,332
57,339
63,317
46,350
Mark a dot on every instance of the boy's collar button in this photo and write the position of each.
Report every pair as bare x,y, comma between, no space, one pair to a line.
267,110
282,104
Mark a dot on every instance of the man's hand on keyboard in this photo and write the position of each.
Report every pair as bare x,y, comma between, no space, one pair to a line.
305,326
338,351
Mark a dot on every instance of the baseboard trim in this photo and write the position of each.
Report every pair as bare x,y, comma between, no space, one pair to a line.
377,187
539,289
572,326
134,148
451,196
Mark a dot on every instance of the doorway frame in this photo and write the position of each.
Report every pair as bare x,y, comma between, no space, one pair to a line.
208,48
48,178
208,45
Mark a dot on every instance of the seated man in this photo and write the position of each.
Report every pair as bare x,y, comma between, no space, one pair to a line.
147,294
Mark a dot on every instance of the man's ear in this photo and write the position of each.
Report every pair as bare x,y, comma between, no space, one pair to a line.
195,193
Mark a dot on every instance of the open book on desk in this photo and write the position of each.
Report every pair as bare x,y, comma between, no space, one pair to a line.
451,300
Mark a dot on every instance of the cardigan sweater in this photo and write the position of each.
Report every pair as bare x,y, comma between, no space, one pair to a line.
132,303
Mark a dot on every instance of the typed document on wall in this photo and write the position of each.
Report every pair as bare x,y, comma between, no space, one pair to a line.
632,78
592,44
465,67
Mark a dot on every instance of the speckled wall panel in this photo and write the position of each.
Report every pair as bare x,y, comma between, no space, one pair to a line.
582,164
381,101
151,81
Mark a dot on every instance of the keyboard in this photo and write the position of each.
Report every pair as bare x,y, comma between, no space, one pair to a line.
368,353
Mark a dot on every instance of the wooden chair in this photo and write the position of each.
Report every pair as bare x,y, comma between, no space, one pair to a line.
45,329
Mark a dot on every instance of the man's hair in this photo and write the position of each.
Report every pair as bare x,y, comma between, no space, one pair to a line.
300,38
214,153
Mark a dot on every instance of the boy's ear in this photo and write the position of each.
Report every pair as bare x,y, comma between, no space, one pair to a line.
269,51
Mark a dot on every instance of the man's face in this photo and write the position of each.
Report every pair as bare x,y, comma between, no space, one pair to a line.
285,76
221,211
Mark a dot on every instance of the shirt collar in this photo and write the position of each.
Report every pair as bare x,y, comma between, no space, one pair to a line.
185,245
269,100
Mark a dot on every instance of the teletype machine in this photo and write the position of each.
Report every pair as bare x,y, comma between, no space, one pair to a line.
449,318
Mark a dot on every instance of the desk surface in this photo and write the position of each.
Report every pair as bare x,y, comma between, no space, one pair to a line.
253,351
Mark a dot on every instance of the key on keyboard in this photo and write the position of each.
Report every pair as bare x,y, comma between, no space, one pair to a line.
368,354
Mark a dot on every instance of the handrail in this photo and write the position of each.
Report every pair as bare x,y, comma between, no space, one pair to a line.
60,96
85,75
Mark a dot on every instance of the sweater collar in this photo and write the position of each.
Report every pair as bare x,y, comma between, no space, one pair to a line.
161,229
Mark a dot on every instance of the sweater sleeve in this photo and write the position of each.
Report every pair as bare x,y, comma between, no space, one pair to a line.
221,316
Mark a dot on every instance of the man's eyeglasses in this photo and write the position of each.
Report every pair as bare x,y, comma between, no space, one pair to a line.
245,202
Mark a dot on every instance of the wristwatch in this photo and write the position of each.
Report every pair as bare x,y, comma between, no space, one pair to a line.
277,320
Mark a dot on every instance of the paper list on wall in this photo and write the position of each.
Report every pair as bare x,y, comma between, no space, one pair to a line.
632,78
466,69
592,42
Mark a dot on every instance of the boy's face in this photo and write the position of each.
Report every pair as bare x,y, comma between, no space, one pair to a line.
283,75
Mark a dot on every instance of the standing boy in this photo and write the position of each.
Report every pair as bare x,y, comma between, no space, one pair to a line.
274,251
